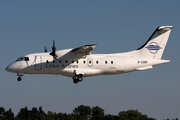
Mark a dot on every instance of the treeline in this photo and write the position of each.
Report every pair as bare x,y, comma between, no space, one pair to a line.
79,113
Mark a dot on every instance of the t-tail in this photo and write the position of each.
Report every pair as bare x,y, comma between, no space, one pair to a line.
156,44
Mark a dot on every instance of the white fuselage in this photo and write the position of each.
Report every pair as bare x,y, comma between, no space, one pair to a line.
79,62
94,64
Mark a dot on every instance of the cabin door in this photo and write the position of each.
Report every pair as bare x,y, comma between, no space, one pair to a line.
38,65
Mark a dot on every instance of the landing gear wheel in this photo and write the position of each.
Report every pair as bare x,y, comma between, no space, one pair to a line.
75,81
80,78
19,78
77,78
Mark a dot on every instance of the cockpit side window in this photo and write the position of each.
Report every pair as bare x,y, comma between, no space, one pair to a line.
26,58
23,59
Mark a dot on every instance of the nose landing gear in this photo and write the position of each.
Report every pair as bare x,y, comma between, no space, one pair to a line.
19,78
20,75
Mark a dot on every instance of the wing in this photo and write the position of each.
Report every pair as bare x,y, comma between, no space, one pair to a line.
86,49
76,53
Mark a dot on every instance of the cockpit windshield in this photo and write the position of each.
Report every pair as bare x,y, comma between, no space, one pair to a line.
23,59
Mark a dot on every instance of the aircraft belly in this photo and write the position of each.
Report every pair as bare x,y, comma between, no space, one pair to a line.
92,72
120,66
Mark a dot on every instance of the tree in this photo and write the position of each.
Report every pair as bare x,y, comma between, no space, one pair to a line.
9,114
23,114
133,115
34,113
79,113
51,115
42,114
97,113
63,116
109,117
2,111
84,111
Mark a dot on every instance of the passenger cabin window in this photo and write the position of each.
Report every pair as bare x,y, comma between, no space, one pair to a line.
59,61
96,62
105,62
23,59
84,62
111,62
66,61
77,61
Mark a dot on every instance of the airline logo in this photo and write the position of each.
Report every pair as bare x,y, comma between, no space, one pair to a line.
153,47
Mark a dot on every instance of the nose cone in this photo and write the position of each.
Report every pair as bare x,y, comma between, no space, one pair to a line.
11,68
7,68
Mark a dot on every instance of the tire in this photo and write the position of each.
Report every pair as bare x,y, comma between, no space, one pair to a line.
75,81
19,78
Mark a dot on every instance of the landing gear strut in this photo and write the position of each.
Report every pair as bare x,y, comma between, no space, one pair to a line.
20,75
78,78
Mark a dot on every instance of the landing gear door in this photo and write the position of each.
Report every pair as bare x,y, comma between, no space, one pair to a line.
38,63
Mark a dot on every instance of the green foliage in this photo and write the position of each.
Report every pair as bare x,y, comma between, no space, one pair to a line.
9,114
84,111
81,112
133,115
97,113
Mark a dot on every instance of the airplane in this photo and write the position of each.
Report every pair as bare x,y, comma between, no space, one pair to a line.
79,62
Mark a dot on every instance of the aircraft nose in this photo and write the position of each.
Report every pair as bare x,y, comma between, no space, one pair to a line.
11,68
7,68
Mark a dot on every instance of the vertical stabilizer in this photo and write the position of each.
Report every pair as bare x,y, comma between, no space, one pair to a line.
156,44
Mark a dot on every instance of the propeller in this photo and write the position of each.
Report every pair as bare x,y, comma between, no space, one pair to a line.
53,53
45,49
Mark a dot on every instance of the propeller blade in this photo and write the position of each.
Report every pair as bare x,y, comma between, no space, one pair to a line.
45,49
53,47
53,53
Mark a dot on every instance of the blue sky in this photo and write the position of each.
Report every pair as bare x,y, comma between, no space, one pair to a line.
116,26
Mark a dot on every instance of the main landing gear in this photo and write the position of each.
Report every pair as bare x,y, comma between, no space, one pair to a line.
78,78
20,75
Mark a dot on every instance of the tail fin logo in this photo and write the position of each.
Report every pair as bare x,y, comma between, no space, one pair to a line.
153,47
